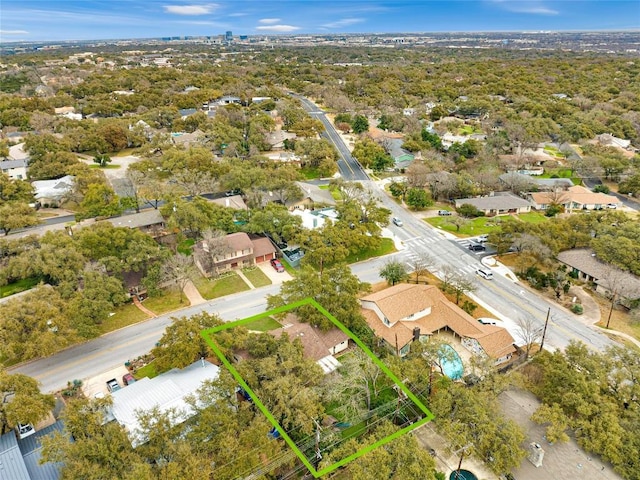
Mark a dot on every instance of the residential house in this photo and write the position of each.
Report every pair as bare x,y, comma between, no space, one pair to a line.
312,219
404,313
519,182
276,139
168,391
575,197
15,169
235,202
498,203
313,197
148,221
606,278
609,140
237,250
53,192
20,459
401,157
187,140
318,345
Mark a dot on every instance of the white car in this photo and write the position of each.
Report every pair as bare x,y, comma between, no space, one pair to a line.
482,238
397,222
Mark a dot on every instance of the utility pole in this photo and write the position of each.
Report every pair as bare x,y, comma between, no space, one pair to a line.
613,302
462,451
544,332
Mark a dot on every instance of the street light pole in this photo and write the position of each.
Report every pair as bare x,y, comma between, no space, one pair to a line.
613,301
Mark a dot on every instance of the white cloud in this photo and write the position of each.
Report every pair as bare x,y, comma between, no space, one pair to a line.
525,6
268,21
13,32
277,28
345,22
191,9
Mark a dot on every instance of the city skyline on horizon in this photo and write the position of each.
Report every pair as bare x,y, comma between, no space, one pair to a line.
78,20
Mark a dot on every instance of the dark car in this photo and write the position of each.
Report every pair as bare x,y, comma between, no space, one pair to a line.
477,247
275,263
128,379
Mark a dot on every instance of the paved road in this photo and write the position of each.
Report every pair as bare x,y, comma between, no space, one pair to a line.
348,166
626,201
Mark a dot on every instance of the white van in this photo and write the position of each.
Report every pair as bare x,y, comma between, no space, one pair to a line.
485,273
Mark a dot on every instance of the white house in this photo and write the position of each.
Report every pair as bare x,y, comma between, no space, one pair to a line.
166,391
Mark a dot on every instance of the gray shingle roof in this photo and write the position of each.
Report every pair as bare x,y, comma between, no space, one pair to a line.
499,201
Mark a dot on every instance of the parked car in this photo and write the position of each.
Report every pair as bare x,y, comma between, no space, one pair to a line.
24,430
444,213
397,222
128,379
477,247
612,205
482,238
113,385
275,263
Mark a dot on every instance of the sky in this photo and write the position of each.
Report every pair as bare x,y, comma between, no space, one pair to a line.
51,20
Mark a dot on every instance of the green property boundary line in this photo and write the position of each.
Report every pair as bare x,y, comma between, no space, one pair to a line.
207,335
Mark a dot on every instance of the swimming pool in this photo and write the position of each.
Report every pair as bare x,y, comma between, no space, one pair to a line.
451,362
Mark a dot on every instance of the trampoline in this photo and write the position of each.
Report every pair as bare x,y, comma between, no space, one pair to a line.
451,364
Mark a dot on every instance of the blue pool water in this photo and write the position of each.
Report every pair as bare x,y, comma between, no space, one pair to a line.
463,475
451,366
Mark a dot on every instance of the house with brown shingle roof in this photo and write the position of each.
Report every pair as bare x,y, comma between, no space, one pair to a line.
405,312
317,344
573,198
238,251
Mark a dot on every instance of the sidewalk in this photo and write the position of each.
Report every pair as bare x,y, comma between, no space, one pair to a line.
142,308
192,294
245,279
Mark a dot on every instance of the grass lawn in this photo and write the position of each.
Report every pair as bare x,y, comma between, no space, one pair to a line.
386,246
148,370
106,167
476,226
264,324
185,245
620,318
310,173
125,315
256,277
230,283
468,130
533,217
19,286
168,302
561,173
125,153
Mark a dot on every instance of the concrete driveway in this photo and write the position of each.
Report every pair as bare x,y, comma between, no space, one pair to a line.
275,277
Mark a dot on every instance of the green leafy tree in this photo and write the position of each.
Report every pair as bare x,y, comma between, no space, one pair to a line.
14,190
182,344
102,159
360,124
394,272
418,198
469,211
22,401
99,201
15,215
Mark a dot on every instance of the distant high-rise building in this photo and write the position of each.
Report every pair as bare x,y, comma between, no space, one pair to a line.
228,36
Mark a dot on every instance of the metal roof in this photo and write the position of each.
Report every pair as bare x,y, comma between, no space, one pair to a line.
31,449
167,391
12,465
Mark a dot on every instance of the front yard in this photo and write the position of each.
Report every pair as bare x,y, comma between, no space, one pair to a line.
483,225
123,316
386,247
256,277
219,287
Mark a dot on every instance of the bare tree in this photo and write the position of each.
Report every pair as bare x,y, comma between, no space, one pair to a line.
420,265
529,332
179,269
214,247
461,285
457,221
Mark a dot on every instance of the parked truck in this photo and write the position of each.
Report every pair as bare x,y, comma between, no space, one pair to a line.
113,385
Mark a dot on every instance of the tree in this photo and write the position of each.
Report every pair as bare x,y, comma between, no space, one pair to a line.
13,190
557,422
360,124
34,325
461,285
215,246
22,401
420,265
102,159
335,288
99,201
529,332
457,221
179,269
418,199
469,211
399,189
16,215
393,272
371,155
182,344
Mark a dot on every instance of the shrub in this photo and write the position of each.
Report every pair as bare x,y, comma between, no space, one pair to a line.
577,309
